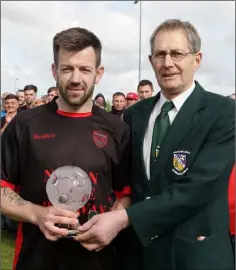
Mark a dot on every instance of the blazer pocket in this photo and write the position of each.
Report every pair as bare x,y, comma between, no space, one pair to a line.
211,253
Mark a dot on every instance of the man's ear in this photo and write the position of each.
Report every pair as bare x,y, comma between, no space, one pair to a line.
54,71
100,72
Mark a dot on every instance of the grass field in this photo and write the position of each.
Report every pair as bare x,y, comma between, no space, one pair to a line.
7,251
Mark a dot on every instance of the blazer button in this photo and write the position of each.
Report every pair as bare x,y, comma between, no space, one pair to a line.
147,198
155,237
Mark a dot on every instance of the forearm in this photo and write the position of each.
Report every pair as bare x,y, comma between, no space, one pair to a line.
15,207
3,128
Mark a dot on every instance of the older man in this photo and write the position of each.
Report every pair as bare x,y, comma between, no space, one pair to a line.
183,154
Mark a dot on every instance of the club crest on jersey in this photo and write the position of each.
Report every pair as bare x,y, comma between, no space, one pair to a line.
100,138
180,162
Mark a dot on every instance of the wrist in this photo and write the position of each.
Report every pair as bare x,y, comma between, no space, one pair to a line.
124,219
34,213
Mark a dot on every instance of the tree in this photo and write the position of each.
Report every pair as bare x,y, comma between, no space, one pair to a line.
108,106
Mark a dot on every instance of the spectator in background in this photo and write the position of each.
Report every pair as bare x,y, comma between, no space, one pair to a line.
131,99
45,99
21,96
11,105
100,101
145,89
52,92
30,92
38,102
118,102
3,110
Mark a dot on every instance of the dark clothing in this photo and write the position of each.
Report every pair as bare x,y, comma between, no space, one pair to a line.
3,121
23,108
187,196
117,113
42,139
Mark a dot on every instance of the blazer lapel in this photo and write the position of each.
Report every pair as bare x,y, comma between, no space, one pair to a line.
140,124
182,124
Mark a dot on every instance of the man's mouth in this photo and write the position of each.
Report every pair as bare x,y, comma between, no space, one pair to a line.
169,75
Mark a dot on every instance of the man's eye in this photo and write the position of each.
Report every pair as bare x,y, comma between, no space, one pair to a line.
177,54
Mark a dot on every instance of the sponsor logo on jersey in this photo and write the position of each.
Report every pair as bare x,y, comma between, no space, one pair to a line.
100,138
43,136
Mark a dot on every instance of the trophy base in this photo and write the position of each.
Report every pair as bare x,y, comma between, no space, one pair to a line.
71,230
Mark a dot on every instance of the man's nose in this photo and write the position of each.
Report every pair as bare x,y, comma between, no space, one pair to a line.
76,77
168,62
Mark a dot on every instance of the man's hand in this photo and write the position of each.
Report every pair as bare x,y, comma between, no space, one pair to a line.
8,118
101,229
121,203
47,217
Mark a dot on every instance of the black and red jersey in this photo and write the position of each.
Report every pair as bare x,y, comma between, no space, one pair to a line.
38,141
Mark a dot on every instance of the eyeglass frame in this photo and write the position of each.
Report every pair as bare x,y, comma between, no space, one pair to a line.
184,54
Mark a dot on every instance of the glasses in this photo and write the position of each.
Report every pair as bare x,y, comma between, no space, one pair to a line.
176,56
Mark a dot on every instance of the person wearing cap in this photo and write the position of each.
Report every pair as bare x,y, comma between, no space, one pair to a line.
131,99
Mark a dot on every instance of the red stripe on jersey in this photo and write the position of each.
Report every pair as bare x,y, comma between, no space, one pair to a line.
231,199
19,240
125,191
4,183
74,115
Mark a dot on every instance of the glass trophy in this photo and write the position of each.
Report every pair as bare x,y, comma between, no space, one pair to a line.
70,188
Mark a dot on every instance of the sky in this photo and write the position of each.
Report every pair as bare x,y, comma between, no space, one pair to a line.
28,28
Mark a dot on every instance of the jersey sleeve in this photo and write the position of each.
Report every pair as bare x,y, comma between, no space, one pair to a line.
122,175
10,155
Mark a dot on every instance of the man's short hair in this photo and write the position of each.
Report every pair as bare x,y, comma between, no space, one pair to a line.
20,90
31,87
145,82
11,96
51,89
74,40
118,94
175,24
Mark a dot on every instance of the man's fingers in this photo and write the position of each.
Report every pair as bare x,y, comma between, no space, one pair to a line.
64,213
84,236
65,220
55,231
91,247
89,224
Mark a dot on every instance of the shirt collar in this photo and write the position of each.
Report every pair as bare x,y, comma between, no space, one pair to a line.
180,99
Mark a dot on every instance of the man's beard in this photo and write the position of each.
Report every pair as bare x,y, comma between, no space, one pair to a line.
77,101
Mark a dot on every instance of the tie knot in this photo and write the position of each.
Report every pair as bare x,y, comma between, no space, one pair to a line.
167,106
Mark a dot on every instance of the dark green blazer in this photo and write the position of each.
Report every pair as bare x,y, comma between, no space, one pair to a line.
180,217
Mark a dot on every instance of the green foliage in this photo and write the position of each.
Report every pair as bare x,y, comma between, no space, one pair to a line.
108,105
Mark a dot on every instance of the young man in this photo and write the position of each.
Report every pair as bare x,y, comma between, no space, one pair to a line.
118,104
30,92
70,130
183,149
52,92
21,96
100,101
11,106
131,99
145,89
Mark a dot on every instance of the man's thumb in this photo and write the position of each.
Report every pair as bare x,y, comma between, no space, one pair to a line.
89,224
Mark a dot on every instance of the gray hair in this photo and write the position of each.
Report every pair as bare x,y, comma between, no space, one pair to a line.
175,24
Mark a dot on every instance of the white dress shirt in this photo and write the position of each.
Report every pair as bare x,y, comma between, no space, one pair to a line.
178,102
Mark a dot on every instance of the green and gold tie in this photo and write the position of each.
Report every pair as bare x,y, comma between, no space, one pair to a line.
161,126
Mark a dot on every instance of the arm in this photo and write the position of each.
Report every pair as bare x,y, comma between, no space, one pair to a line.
4,127
121,175
14,206
178,202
